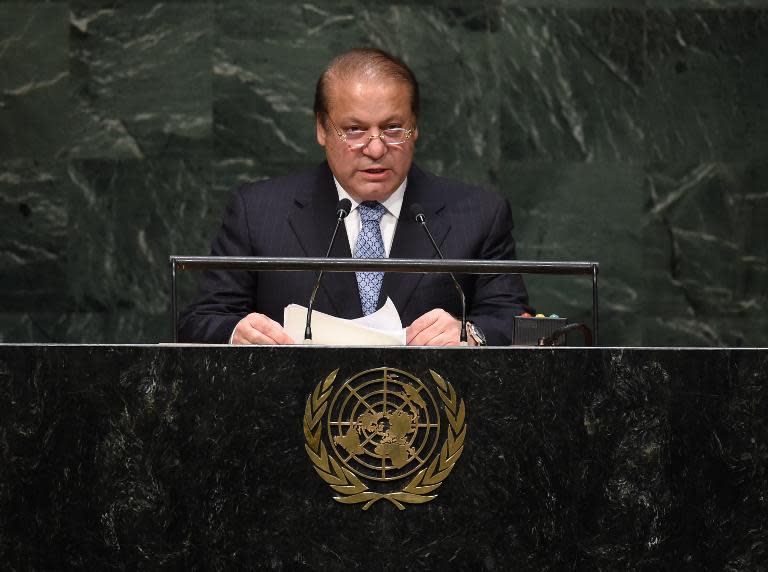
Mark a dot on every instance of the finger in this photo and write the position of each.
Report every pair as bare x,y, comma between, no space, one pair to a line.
246,333
420,324
436,337
260,329
277,334
443,332
444,339
425,327
430,337
249,336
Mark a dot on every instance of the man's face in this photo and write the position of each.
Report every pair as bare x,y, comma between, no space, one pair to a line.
374,172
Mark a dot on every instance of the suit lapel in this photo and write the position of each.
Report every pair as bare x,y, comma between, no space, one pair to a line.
312,221
411,241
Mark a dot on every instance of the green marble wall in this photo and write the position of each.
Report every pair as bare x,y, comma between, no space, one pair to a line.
630,132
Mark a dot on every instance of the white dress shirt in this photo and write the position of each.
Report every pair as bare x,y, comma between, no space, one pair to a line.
388,222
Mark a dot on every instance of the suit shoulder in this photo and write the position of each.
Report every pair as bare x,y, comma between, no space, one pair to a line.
276,190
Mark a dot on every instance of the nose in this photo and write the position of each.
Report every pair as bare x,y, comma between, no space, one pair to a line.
375,148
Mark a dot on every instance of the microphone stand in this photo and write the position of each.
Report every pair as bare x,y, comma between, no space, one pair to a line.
342,210
422,220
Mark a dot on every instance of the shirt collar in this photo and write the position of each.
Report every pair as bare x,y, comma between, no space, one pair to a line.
393,204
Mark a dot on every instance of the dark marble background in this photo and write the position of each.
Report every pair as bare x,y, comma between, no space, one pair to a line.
629,132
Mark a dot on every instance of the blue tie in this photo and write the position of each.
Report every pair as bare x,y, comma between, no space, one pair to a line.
370,245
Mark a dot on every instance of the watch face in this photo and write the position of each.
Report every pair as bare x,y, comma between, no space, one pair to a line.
477,333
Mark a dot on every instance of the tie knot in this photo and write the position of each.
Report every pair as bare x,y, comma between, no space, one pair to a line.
371,211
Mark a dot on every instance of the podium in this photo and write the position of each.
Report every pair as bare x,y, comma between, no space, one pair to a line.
195,458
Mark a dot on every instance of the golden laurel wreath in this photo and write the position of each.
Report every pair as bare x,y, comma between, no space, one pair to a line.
349,486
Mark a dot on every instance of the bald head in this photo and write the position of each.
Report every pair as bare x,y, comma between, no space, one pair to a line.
363,64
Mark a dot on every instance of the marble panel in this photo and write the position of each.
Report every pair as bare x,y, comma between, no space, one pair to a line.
582,212
706,254
34,81
709,4
127,217
515,94
571,84
33,241
639,4
142,79
706,85
578,4
71,327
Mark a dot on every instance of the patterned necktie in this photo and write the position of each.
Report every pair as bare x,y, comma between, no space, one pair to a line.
370,245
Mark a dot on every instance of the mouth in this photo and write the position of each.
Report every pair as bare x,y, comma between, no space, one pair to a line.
374,174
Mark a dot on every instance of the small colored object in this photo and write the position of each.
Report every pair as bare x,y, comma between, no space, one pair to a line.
526,315
554,316
540,316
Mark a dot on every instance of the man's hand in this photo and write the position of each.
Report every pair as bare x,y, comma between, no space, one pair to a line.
259,329
435,328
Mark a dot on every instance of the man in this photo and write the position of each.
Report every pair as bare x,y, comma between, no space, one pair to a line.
366,108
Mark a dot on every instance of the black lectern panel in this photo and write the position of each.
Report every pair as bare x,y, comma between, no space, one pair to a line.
213,458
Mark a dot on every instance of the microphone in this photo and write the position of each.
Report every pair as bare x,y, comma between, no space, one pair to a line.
417,212
342,210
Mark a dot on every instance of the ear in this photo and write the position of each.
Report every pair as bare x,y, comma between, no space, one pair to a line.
415,134
320,130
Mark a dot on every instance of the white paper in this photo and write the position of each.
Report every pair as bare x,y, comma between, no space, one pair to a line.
382,328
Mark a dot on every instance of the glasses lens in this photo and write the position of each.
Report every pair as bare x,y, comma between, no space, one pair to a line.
355,135
357,139
394,136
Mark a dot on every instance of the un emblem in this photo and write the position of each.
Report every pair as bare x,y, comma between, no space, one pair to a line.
385,437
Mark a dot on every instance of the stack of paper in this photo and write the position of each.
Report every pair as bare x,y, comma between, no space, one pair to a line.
382,328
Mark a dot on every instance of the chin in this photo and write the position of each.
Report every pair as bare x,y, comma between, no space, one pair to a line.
369,191
377,194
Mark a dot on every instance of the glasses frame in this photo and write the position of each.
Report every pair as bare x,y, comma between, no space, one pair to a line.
359,146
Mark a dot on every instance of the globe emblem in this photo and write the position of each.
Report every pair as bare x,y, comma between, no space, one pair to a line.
383,424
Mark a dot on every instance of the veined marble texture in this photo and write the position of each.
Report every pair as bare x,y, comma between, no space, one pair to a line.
193,458
34,81
630,132
141,79
705,237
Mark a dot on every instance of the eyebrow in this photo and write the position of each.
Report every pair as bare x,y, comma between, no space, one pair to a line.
390,119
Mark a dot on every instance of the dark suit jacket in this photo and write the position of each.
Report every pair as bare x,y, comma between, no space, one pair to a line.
295,215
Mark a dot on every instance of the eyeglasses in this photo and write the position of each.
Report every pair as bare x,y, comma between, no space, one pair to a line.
357,139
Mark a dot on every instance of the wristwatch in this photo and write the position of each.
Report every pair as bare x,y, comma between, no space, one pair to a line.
477,334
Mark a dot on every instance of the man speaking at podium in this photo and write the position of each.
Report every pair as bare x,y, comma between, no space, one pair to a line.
366,109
